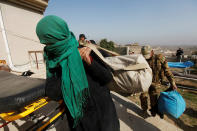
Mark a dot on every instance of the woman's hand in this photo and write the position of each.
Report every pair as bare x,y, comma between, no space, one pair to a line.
85,54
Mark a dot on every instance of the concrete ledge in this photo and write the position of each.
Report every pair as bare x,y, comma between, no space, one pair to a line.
132,118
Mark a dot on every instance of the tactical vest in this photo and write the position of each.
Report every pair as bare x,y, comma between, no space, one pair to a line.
156,65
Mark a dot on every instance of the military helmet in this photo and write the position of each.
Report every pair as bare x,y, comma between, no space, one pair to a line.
146,51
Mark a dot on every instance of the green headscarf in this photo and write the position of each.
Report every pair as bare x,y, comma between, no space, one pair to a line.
61,50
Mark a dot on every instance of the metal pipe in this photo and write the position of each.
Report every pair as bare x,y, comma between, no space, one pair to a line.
183,75
187,88
188,78
12,67
180,86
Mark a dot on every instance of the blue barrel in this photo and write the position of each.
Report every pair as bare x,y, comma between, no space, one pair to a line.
171,103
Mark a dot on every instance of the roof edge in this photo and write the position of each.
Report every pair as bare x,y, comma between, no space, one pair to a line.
38,5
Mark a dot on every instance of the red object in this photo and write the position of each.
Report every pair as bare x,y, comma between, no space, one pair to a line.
5,124
91,59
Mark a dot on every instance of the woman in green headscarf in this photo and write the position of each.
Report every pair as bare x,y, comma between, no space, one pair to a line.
81,94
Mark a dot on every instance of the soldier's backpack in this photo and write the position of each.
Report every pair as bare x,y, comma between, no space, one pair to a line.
131,73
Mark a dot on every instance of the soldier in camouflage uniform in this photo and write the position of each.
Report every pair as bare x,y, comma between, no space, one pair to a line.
160,68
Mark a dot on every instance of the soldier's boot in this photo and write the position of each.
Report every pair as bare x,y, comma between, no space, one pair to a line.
161,115
153,100
144,101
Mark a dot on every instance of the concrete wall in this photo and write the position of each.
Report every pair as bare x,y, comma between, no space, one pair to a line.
20,24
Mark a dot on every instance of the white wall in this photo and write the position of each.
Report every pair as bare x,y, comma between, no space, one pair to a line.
20,24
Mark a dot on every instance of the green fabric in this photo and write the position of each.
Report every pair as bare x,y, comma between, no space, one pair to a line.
61,50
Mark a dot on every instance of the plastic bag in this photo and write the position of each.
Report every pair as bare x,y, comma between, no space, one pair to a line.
171,103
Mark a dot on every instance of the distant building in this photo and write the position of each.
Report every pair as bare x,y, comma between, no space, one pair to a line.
134,48
128,49
18,20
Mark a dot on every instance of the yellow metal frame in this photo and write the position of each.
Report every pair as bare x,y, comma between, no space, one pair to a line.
12,116
51,120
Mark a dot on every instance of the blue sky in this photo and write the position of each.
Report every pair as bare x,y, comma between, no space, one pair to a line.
155,22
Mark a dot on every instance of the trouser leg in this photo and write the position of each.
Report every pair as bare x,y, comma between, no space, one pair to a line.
144,101
153,94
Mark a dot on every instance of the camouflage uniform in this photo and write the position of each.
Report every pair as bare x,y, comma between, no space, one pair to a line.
160,69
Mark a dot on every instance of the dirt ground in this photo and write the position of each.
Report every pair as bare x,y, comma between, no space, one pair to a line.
188,121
